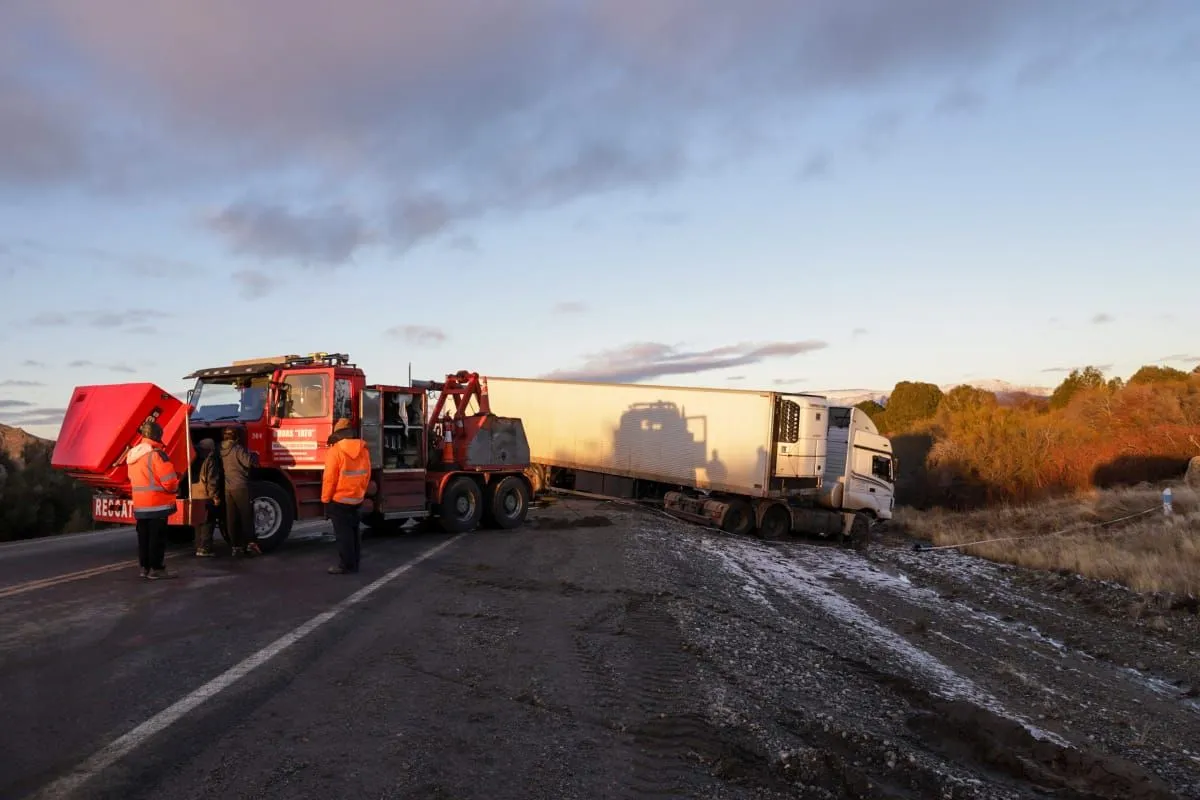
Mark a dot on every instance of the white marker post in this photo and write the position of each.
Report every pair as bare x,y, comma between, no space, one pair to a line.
1167,502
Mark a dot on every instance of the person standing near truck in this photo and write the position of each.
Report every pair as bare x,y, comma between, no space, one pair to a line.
236,463
206,485
343,487
154,482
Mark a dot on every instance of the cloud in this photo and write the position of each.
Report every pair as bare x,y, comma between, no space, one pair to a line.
664,219
1101,367
570,307
131,319
418,334
29,362
254,284
431,118
464,244
1102,319
327,236
736,378
32,254
857,332
14,404
50,319
817,166
1182,358
879,129
959,100
789,381
34,417
643,360
21,384
83,363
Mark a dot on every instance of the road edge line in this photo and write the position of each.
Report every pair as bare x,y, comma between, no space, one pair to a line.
120,747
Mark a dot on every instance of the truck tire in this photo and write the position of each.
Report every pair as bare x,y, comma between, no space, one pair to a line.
462,505
738,519
776,522
273,514
860,531
507,503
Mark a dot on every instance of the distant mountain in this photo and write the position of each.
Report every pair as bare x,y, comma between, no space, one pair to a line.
13,441
1003,390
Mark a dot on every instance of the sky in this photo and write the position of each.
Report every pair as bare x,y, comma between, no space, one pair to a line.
820,195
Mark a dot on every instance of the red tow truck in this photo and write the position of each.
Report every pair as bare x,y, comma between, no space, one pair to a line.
462,470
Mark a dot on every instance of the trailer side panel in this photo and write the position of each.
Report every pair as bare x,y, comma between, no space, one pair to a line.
706,438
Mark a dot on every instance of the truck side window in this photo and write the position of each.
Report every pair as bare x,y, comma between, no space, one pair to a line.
342,407
881,467
306,396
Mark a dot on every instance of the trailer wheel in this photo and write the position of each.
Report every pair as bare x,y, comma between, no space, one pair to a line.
776,522
507,503
273,514
461,506
739,518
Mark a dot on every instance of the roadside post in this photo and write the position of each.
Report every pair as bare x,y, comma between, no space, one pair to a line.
1166,498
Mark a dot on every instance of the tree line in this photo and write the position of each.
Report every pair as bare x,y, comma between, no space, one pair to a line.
38,500
967,448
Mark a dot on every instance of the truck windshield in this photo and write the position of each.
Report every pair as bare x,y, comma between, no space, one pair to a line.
243,401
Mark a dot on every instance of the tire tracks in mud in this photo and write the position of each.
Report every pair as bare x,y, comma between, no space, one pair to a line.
956,729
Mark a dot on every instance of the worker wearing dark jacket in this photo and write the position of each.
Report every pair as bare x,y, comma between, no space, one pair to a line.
343,487
207,486
154,482
236,463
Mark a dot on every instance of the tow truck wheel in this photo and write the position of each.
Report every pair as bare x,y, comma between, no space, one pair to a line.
461,506
507,503
273,515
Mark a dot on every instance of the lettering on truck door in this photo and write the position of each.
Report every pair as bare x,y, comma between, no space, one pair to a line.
300,439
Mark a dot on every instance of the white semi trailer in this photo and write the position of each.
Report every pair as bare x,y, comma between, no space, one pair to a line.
747,461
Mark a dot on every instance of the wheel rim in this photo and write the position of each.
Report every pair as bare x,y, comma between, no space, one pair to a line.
464,506
512,503
267,517
775,525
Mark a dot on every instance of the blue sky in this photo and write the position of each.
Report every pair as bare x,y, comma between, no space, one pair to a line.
819,196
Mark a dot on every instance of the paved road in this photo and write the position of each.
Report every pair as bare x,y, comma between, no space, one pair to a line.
85,659
600,652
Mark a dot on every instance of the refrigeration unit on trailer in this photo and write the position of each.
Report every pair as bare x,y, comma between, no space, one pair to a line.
771,462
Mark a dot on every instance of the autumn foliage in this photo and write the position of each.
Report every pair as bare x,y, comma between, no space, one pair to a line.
967,447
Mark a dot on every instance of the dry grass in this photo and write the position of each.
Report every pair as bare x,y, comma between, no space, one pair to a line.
1148,554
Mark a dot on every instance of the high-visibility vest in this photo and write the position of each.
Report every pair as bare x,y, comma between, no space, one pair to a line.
347,472
153,480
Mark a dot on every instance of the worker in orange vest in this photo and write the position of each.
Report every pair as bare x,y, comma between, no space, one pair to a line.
154,483
343,487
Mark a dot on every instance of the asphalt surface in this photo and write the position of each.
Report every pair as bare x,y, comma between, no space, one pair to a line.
600,652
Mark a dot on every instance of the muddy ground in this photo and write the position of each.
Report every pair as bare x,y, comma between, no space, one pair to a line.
804,669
